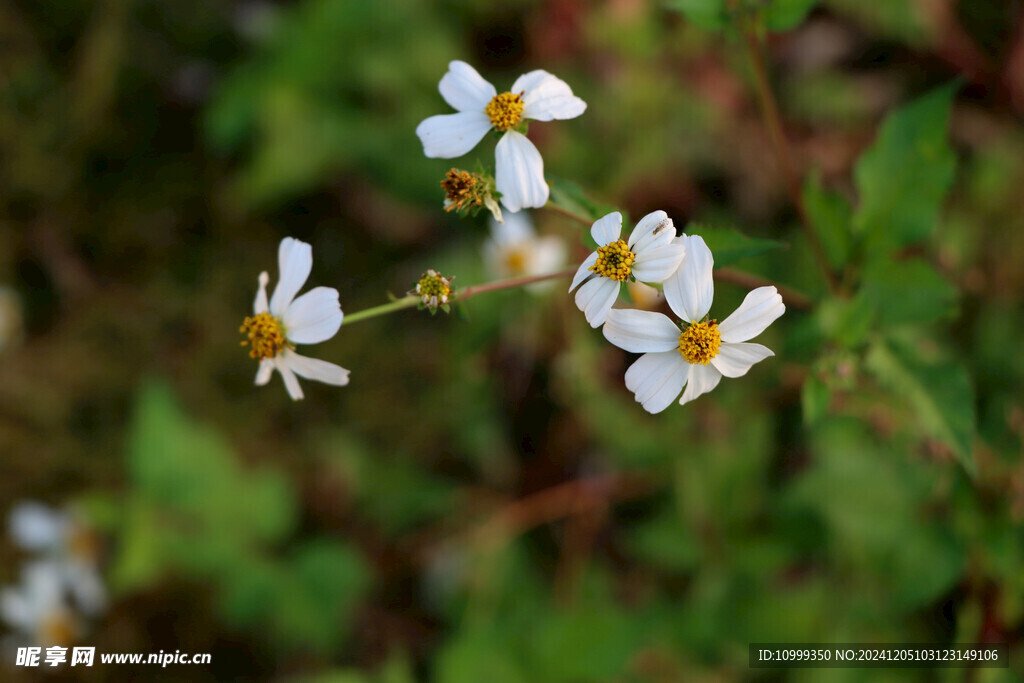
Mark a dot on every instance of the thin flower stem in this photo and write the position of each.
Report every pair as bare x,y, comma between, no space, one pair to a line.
550,206
383,309
773,122
459,295
463,294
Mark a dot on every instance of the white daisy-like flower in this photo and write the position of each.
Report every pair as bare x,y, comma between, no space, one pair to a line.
650,256
69,544
276,327
700,352
519,169
515,250
38,609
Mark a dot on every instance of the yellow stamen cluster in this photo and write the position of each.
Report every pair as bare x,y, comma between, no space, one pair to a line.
700,342
459,190
614,261
266,335
433,289
505,110
57,628
516,260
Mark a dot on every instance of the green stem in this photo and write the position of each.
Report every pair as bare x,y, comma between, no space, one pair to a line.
383,309
773,122
458,295
568,214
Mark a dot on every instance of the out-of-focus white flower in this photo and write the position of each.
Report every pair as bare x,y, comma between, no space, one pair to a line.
649,256
702,351
515,250
644,296
12,323
69,544
519,168
276,327
38,608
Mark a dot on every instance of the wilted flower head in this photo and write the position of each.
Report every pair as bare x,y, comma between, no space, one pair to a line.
467,193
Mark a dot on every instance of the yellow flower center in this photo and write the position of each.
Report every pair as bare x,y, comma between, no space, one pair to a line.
433,286
515,261
56,629
700,342
614,261
266,335
505,110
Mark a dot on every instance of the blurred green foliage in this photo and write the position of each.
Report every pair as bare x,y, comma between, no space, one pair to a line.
485,501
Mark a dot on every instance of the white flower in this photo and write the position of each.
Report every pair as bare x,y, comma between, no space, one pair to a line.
69,544
515,250
275,328
650,256
519,169
699,354
38,608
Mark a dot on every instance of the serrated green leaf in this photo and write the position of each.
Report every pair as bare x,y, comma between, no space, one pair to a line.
729,245
831,216
708,14
905,175
781,15
939,391
908,292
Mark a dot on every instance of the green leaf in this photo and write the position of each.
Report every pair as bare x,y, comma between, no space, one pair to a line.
815,399
905,175
729,245
831,215
570,196
707,14
908,292
940,392
846,321
781,15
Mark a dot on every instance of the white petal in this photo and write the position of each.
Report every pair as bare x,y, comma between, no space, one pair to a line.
584,271
548,254
313,317
315,369
641,331
465,89
86,586
35,526
266,369
16,610
447,136
294,261
607,229
595,299
691,289
654,229
656,379
659,263
734,360
759,309
702,380
547,97
259,305
291,382
519,173
516,228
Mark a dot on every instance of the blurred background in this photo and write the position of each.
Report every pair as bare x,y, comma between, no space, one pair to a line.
485,501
